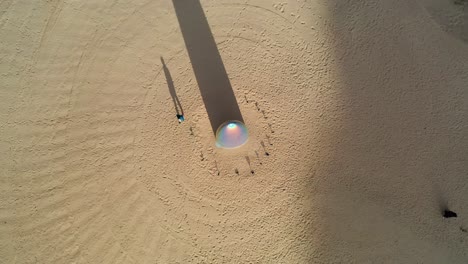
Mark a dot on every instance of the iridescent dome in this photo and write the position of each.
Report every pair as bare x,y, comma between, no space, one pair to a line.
231,134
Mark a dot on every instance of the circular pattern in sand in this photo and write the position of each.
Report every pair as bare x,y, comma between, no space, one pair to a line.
181,161
179,164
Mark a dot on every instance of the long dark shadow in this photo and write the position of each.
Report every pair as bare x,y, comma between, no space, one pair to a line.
213,82
170,84
395,141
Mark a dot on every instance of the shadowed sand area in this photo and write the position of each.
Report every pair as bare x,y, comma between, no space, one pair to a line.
357,116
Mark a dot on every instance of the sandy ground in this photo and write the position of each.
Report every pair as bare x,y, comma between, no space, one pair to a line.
362,107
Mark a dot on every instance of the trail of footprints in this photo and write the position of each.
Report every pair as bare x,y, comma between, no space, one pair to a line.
263,148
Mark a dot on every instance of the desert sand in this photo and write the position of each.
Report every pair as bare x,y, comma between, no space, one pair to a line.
357,114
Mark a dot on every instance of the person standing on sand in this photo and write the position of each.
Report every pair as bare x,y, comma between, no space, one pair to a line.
180,118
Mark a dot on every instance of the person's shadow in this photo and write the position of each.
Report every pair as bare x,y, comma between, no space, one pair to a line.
170,85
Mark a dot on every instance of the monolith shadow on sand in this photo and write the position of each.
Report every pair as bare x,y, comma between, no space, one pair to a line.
213,82
394,145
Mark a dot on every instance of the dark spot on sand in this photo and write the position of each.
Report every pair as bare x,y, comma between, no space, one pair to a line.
449,214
